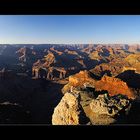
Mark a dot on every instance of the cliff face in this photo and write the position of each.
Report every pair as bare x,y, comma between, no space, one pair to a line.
108,68
69,111
114,86
100,95
80,79
48,60
134,48
101,53
105,110
56,51
25,54
134,61
81,107
118,64
44,68
73,59
95,56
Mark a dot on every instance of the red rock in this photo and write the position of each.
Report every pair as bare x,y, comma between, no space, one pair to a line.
114,86
80,78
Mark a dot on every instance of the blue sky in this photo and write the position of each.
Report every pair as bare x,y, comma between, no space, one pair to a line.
73,29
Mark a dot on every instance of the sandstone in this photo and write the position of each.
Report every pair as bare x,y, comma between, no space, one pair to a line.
106,110
112,68
134,61
106,105
95,55
69,111
114,86
80,79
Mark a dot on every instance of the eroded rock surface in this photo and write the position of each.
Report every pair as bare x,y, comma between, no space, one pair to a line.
105,110
114,86
69,111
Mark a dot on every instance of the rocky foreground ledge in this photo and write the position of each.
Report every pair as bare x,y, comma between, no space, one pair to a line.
89,101
79,108
69,111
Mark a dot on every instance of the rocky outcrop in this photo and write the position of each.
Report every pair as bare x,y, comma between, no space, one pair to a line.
25,54
71,52
80,61
134,61
56,51
114,86
80,78
95,55
83,78
128,69
46,66
115,66
107,105
101,110
106,110
49,59
69,111
107,68
115,61
133,48
102,52
45,62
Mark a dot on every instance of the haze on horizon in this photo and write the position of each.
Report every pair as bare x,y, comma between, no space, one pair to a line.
69,29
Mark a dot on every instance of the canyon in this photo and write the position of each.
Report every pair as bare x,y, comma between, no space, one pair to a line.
70,84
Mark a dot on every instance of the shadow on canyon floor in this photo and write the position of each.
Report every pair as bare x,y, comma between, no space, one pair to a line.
131,78
38,96
133,117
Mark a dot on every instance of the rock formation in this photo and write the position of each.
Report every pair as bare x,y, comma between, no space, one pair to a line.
95,55
25,54
102,98
80,79
107,68
134,48
101,110
106,110
69,111
46,64
56,51
80,61
114,86
49,59
134,61
105,104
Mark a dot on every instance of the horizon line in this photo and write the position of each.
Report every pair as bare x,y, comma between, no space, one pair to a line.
69,43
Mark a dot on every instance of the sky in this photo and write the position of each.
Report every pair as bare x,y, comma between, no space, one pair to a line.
69,29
